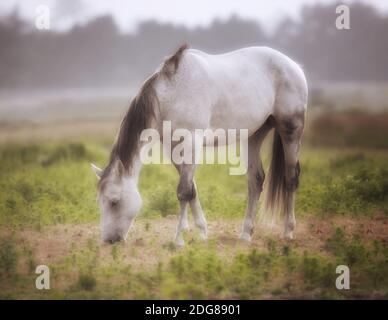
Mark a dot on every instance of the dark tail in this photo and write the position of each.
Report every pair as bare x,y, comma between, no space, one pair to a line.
276,192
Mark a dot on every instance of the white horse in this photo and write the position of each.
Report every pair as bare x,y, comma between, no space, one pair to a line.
254,88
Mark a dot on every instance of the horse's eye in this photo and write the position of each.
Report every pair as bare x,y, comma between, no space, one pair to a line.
114,203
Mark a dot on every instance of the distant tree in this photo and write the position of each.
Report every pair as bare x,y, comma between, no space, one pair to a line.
98,54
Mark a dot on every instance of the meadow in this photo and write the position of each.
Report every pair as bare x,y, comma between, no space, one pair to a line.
49,215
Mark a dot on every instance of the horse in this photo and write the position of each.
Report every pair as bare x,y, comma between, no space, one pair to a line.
254,88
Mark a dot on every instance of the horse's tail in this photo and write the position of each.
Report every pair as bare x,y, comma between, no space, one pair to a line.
276,192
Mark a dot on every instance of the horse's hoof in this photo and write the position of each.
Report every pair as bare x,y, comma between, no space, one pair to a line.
185,226
245,237
179,242
289,235
203,235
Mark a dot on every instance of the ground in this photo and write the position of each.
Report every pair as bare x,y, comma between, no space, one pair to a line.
49,215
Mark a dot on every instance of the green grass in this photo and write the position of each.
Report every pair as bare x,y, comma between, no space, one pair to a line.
335,182
52,184
42,185
200,272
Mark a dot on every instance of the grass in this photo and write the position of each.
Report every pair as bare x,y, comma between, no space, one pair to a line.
8,257
52,184
48,214
348,183
200,271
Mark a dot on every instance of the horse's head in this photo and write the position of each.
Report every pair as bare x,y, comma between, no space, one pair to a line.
119,201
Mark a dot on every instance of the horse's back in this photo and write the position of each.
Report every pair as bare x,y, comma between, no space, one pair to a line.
238,89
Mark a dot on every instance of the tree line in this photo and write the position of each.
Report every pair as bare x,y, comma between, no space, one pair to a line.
99,54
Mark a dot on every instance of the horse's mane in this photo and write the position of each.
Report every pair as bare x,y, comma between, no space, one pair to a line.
140,114
138,117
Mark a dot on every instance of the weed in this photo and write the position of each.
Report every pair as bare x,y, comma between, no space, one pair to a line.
8,256
86,282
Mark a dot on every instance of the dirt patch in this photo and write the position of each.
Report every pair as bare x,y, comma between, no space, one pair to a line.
151,240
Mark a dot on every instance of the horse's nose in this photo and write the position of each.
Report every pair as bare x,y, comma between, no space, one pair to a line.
113,239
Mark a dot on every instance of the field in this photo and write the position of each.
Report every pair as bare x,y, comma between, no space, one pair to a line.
49,215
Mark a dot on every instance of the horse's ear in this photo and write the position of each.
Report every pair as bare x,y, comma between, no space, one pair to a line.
97,171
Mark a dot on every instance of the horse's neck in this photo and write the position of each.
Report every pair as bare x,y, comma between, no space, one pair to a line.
136,168
137,164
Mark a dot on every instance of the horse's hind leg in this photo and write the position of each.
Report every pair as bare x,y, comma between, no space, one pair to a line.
291,130
256,176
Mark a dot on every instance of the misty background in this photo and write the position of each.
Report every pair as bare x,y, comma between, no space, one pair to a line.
96,54
99,53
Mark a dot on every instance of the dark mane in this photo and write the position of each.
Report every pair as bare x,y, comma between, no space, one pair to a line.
139,116
171,64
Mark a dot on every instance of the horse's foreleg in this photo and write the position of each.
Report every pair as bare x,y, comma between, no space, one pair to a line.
198,215
182,224
256,176
186,193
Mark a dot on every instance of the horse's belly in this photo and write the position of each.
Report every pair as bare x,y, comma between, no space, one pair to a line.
239,120
248,112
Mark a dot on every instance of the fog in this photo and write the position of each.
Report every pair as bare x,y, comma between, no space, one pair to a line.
96,50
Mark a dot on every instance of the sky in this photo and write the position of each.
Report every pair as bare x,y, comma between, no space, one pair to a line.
191,13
